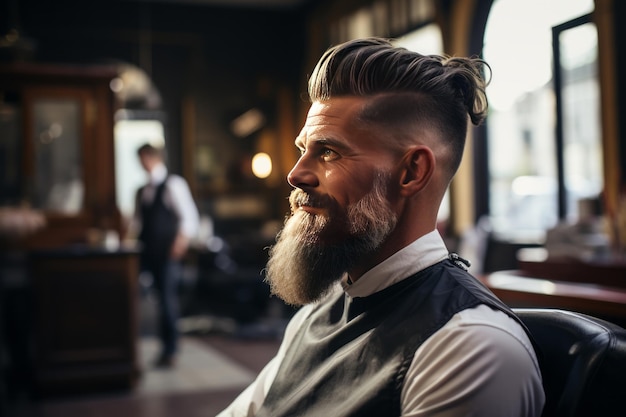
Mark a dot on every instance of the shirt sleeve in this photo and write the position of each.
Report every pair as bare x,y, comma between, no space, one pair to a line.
182,203
250,400
481,363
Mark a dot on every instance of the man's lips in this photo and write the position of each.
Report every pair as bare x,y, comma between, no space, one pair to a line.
311,209
306,203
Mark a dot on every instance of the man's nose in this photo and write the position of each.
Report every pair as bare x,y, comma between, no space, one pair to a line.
302,174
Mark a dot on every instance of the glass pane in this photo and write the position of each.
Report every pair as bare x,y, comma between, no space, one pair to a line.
129,175
521,124
426,40
581,115
58,184
360,24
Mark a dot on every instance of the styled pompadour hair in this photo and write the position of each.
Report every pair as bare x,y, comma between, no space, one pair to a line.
407,88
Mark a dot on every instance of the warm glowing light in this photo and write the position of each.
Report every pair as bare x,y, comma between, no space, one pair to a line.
247,123
262,165
116,84
49,135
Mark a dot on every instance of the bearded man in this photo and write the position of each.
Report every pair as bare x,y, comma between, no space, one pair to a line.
392,324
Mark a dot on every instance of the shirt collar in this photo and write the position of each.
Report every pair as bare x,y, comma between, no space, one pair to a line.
422,253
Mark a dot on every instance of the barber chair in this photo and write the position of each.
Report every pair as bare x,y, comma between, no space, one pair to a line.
582,360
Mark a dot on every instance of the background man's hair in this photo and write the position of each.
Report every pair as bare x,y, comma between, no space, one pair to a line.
408,89
148,149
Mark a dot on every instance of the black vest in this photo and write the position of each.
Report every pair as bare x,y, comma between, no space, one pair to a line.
350,357
159,226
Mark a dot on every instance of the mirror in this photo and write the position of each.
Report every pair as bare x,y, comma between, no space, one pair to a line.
58,177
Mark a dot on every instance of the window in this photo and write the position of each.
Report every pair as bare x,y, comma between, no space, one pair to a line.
579,148
528,167
133,129
388,18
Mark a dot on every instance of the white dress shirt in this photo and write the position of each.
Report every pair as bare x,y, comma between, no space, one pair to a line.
481,363
176,196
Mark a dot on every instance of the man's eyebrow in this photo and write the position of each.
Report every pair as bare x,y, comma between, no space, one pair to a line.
327,141
322,141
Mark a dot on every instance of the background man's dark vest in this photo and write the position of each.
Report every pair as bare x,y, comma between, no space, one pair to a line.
351,356
158,229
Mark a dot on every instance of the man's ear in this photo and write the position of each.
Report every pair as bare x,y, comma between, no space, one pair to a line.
418,167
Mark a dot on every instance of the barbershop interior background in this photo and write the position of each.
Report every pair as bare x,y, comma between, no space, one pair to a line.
538,206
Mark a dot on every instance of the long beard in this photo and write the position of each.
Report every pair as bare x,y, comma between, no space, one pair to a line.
306,262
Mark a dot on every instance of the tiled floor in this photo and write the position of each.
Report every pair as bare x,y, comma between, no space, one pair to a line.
210,372
217,359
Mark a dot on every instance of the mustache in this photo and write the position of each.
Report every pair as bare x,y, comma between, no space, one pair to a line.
299,198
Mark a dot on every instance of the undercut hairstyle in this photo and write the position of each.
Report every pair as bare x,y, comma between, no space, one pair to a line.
408,90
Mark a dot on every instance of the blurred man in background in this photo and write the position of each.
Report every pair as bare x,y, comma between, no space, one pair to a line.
166,218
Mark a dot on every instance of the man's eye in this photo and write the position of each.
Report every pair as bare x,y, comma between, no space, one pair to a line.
329,154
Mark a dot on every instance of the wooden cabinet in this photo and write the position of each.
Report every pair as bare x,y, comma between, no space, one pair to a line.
57,149
85,320
57,158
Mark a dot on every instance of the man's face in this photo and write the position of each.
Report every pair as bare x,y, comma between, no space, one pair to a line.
148,161
339,156
340,210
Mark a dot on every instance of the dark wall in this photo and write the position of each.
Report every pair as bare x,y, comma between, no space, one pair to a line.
620,58
225,59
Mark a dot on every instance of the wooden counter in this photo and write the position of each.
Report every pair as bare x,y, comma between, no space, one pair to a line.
518,289
594,286
85,319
